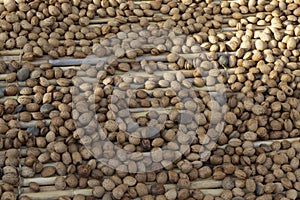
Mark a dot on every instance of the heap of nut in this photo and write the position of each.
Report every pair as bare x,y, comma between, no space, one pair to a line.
166,99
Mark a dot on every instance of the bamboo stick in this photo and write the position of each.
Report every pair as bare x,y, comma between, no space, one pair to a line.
68,61
134,112
143,46
25,190
196,185
143,114
209,89
224,22
77,42
3,77
255,144
14,53
98,20
3,99
186,73
59,193
50,81
22,152
50,180
94,59
205,184
214,1
152,46
258,143
147,1
42,181
220,30
268,142
10,52
94,80
88,192
32,123
19,52
143,110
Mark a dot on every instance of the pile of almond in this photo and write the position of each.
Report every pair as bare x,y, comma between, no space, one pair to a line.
115,99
